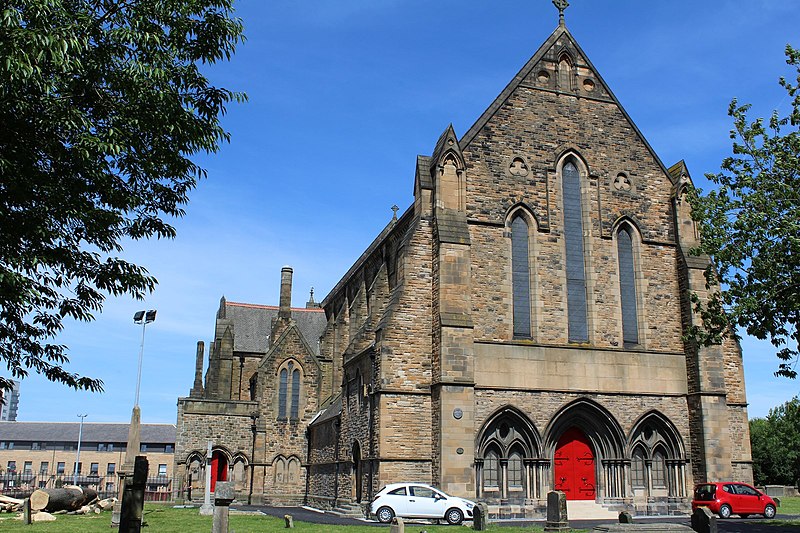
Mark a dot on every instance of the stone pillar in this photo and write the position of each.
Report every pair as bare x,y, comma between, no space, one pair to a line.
225,378
207,509
197,388
224,494
126,470
26,511
503,479
527,480
479,477
556,512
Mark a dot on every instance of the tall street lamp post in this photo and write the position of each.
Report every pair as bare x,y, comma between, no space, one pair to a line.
78,454
134,431
143,318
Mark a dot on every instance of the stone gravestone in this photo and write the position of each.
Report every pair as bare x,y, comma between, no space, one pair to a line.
26,512
625,518
224,494
397,525
130,520
480,517
289,521
704,521
556,512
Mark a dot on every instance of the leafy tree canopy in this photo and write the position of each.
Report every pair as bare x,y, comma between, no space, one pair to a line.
750,228
102,104
775,443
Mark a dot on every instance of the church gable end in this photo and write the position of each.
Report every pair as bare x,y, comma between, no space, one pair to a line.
517,330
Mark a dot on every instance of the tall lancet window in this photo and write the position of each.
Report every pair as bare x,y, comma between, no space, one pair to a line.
295,394
284,378
578,330
521,277
627,288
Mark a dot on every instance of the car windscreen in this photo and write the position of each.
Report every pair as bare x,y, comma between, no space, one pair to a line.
705,492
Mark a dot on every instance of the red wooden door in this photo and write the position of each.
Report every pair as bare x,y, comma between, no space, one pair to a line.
219,469
574,466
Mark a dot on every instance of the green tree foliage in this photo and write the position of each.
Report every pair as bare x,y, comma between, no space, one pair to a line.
750,228
102,104
775,443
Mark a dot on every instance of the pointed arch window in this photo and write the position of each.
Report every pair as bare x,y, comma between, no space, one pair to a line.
565,73
521,277
282,386
505,450
638,469
657,441
289,383
659,470
627,287
491,470
578,330
515,470
295,411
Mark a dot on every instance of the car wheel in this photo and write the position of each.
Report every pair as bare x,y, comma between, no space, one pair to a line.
454,516
769,511
724,511
385,515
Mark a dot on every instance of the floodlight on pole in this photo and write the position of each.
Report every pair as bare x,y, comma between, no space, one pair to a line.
78,454
143,318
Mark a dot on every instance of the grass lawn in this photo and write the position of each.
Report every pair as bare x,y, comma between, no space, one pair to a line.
165,519
790,506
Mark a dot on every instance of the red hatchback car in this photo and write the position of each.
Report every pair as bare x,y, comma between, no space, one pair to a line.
727,498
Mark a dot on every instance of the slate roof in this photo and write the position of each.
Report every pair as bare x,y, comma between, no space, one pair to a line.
92,432
333,410
252,325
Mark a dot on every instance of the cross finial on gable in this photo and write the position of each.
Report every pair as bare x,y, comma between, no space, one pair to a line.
561,5
394,210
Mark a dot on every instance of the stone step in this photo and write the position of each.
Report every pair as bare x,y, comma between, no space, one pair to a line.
352,510
589,510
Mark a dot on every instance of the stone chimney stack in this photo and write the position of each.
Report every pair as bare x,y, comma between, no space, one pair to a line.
285,310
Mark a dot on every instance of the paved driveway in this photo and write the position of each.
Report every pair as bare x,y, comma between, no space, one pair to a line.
733,525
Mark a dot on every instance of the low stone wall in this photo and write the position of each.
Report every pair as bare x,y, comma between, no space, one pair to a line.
780,491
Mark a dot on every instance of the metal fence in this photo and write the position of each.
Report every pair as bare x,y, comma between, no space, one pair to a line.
22,484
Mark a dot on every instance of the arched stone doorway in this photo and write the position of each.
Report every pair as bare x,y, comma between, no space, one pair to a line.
574,466
586,432
219,468
357,472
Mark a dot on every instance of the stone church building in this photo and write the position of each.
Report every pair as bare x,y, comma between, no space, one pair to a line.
517,330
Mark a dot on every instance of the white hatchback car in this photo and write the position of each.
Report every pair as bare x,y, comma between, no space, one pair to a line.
417,500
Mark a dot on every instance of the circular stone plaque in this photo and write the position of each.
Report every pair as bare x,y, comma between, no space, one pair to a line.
460,451
457,413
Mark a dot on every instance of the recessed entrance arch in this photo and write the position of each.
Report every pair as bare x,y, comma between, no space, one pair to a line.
219,468
357,471
574,466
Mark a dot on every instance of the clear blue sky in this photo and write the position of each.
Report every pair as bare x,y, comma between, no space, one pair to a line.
343,95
